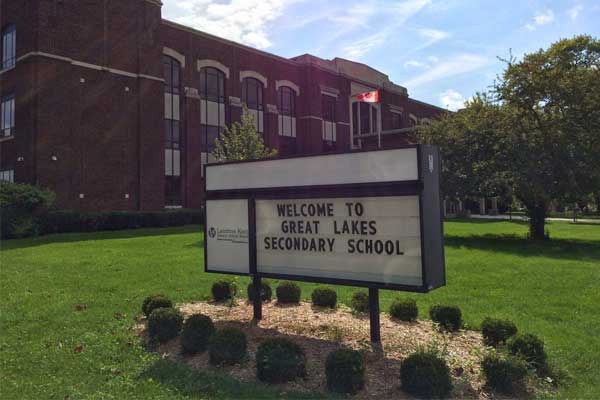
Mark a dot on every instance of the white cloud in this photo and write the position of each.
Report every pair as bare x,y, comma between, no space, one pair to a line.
541,18
359,48
433,59
574,12
432,36
452,99
243,21
415,64
456,65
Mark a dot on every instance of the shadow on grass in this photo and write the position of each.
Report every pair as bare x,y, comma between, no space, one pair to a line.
209,384
101,235
569,249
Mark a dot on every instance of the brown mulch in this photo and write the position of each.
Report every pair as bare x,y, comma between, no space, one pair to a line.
320,331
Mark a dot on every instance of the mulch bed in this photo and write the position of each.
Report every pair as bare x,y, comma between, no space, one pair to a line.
320,331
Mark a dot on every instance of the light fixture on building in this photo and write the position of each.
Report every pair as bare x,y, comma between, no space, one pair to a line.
127,88
82,80
20,159
81,195
54,158
126,195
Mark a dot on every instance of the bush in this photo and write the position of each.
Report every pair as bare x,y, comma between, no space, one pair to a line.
449,317
155,301
404,309
223,290
280,360
425,374
360,302
164,324
265,291
196,333
530,348
497,331
227,346
324,297
76,221
345,371
503,373
20,208
288,292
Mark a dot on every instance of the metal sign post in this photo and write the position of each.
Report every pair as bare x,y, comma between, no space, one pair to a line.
374,315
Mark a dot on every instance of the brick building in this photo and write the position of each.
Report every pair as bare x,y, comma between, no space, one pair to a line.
115,108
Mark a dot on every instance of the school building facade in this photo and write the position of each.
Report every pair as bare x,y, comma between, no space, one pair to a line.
115,108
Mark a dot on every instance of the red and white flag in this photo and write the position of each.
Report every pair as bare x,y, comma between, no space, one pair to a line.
368,97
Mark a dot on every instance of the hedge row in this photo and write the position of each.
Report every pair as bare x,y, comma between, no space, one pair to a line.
75,221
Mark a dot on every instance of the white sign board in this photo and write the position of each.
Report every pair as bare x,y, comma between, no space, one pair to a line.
371,239
361,218
227,235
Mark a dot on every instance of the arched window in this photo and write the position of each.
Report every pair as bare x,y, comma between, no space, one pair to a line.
252,96
212,106
173,145
328,105
286,99
9,46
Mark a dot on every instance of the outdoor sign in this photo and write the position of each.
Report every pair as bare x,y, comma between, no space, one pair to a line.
365,218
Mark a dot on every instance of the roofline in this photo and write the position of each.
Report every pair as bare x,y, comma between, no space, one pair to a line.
229,42
428,104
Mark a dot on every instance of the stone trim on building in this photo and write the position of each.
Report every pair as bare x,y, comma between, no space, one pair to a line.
255,75
289,84
175,54
207,63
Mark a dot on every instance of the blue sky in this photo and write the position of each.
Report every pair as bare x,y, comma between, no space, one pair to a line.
442,51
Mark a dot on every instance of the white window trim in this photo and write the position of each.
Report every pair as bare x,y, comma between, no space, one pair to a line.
207,63
175,54
289,84
255,75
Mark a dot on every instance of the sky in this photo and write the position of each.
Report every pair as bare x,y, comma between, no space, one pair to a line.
443,52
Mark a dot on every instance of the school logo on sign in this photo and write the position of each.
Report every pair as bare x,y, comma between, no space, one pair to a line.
212,232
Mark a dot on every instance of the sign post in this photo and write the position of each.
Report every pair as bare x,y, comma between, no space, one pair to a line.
364,218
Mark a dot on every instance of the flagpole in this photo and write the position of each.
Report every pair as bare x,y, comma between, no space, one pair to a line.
379,125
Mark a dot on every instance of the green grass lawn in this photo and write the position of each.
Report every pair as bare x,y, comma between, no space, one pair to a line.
49,349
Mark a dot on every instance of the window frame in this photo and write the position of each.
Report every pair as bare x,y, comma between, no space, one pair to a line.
208,130
9,61
328,113
259,105
287,112
173,133
12,116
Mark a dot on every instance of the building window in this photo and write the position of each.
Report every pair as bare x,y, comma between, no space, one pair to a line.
9,46
287,111
396,120
252,96
329,122
414,121
173,147
7,175
7,116
212,106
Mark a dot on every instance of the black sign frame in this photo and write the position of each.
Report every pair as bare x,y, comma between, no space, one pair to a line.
430,213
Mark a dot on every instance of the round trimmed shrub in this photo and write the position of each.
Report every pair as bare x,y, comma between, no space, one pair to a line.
449,317
265,291
404,309
497,331
425,374
164,324
227,346
280,360
196,333
223,290
155,301
504,373
345,371
360,302
530,348
324,297
288,292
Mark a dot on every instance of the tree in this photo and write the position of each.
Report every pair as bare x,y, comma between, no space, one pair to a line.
552,98
241,142
537,132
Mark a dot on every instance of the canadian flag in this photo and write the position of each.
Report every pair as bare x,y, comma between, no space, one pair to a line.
368,97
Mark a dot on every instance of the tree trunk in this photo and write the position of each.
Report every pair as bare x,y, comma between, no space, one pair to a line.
537,221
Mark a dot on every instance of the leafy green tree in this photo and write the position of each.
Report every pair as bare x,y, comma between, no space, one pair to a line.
552,97
536,134
241,142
